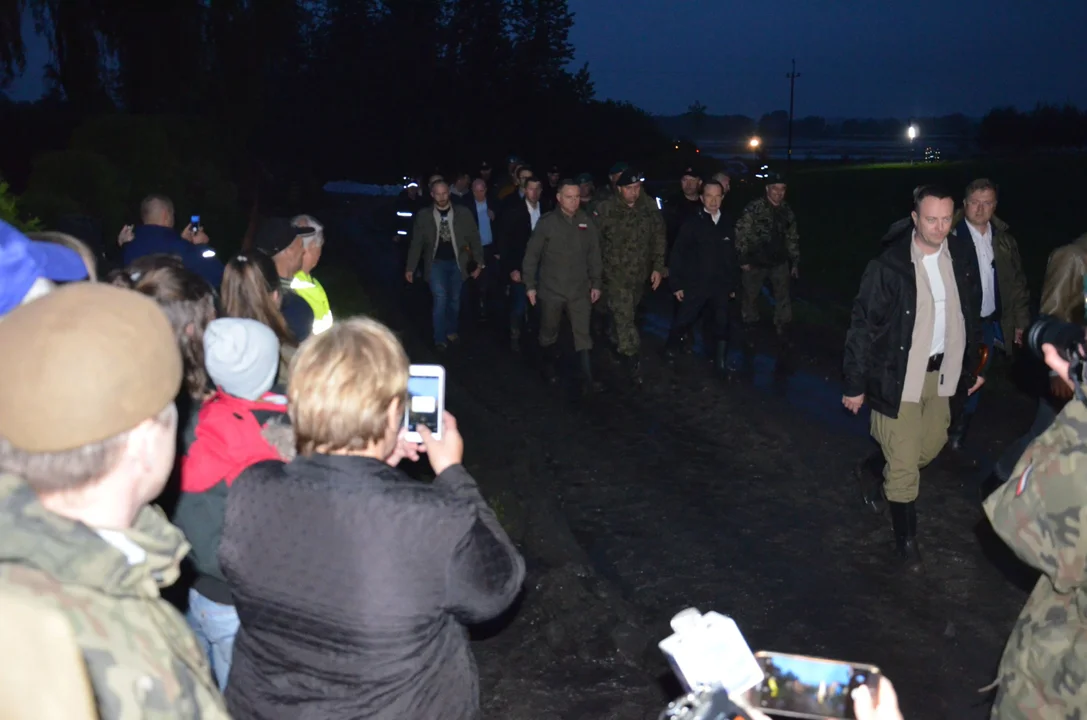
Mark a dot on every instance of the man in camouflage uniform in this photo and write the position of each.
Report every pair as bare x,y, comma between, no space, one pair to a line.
632,245
1041,513
87,435
768,244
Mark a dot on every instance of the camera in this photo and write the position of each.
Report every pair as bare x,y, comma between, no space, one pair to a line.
1068,338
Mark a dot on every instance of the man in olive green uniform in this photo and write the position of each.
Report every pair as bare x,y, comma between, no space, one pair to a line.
768,244
1041,513
632,247
79,536
562,273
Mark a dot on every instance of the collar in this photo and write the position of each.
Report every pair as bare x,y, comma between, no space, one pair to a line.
917,254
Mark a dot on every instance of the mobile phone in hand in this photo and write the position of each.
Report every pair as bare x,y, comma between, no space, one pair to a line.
426,401
799,686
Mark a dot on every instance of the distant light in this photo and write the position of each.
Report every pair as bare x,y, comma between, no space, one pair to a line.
401,232
403,213
911,132
209,253
697,150
754,142
660,204
677,147
411,184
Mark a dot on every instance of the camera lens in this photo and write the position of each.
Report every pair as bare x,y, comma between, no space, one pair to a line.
1067,338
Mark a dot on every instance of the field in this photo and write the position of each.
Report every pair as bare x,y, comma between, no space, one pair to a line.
844,211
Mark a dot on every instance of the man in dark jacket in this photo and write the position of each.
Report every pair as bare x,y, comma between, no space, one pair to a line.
704,272
156,235
280,240
909,341
515,226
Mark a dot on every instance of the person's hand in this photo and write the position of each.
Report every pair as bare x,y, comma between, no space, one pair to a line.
679,295
531,294
476,272
404,449
745,268
409,276
743,701
865,708
189,232
200,237
655,279
594,295
127,233
732,296
853,404
515,276
490,213
795,272
447,451
1061,385
1019,337
977,385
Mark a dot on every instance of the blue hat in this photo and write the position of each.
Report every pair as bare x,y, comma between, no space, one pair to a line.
22,261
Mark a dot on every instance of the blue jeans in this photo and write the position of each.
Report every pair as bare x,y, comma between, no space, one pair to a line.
990,331
446,284
518,305
215,626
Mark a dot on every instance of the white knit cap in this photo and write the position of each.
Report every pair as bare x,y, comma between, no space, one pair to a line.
242,356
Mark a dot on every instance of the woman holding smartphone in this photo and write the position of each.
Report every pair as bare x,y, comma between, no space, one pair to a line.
351,580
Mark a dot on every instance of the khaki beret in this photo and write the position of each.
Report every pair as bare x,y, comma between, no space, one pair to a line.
83,364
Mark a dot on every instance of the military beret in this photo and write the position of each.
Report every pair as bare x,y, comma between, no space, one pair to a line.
690,172
583,178
618,168
629,177
773,178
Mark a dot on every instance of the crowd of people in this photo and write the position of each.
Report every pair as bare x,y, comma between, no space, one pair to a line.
179,409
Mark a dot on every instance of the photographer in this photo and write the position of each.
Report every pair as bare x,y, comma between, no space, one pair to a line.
1039,514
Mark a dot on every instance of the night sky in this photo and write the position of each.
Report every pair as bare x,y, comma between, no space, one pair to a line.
857,59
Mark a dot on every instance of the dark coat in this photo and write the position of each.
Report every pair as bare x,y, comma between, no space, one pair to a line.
352,583
155,240
877,344
704,260
424,239
512,234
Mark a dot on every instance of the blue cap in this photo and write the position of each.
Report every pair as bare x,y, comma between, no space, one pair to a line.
22,261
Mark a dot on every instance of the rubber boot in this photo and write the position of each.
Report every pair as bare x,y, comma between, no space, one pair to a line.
548,356
585,362
720,357
904,522
956,434
634,368
869,474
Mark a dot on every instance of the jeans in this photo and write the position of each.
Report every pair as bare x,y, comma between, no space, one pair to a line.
215,626
990,331
518,306
446,284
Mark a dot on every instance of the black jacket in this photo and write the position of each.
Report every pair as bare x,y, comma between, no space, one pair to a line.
512,232
351,582
877,345
704,258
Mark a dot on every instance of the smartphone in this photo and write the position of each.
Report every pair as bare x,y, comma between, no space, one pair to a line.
195,222
426,401
806,687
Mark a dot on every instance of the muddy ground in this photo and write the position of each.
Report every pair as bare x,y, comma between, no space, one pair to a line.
690,491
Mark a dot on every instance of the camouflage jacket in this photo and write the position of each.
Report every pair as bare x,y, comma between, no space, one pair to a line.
632,241
142,659
1041,513
1062,289
755,240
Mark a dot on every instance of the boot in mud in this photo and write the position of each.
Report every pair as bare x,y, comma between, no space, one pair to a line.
869,474
588,385
548,358
904,522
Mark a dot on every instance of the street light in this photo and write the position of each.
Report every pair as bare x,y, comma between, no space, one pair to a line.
754,143
911,133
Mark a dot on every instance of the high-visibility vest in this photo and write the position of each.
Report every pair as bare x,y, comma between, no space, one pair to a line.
307,288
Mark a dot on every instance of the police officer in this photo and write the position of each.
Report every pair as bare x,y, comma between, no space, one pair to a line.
562,272
768,242
632,242
1040,513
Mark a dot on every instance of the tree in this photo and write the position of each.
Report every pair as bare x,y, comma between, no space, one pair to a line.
696,115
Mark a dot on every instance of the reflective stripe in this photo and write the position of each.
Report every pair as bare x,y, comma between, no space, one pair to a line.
299,284
319,326
401,232
401,213
209,253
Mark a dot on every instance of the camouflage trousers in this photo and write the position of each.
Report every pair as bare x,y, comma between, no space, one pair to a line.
912,440
623,302
754,279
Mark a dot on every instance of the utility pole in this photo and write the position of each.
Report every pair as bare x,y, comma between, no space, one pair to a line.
792,85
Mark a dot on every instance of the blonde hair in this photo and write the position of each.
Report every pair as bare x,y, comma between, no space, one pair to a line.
342,383
72,243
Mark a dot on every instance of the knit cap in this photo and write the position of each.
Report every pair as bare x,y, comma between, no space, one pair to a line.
241,356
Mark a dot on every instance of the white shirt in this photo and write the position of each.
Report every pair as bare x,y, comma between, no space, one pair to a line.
983,245
715,217
533,213
939,301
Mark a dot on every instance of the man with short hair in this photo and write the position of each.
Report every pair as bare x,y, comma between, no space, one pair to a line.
769,246
514,230
562,271
79,534
447,239
1005,297
908,343
303,283
280,240
490,280
156,235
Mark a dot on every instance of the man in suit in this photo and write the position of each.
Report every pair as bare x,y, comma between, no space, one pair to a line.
515,226
488,299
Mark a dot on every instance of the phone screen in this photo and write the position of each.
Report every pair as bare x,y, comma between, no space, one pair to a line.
195,221
424,402
805,687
